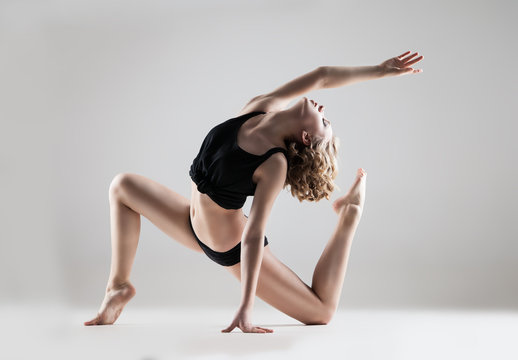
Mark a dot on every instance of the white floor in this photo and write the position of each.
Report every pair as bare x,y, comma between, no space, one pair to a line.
146,334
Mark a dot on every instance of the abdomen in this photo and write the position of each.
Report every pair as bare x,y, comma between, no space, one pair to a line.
218,228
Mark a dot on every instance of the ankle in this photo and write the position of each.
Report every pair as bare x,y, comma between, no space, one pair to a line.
116,284
351,213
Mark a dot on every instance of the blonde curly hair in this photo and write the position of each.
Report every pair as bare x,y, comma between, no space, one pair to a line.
312,169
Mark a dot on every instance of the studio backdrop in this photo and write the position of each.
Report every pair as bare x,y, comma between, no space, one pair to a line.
91,89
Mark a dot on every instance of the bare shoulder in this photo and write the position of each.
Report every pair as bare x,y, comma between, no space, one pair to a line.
265,102
273,170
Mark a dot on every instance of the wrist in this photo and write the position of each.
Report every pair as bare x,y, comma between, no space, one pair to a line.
246,306
380,71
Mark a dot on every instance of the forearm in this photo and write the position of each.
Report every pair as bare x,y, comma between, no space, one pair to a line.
336,76
252,249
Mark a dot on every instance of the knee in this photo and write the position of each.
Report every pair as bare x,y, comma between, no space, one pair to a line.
119,183
328,315
323,317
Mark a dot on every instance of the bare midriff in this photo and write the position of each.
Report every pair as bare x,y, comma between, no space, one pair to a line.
218,228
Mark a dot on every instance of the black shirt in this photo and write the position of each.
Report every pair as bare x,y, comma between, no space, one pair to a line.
223,170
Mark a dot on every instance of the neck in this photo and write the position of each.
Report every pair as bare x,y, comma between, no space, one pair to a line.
279,126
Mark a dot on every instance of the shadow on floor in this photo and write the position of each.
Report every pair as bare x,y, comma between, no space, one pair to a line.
237,343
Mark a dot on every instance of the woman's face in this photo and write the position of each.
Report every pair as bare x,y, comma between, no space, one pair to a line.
312,117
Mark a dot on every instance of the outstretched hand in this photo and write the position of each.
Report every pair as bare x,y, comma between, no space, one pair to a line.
400,65
242,320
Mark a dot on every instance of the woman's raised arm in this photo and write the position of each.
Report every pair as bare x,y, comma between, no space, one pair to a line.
337,76
324,77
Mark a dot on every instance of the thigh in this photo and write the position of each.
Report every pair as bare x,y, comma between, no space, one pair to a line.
280,287
165,208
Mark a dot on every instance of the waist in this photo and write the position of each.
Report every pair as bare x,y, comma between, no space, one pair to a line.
220,229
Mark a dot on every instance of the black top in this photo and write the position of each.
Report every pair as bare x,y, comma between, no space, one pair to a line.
222,169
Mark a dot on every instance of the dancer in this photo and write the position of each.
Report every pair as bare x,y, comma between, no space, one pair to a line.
262,150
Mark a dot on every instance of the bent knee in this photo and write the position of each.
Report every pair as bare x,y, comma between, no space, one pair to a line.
119,184
323,317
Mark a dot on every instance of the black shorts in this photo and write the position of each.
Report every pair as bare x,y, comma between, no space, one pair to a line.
227,258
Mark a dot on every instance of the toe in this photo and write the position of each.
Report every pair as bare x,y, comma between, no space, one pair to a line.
94,321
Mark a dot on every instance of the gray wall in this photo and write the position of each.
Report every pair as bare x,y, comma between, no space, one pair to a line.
90,89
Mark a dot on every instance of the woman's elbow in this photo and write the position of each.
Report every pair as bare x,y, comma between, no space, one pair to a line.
323,73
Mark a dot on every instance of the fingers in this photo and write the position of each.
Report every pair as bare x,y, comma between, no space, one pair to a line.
261,330
400,71
403,54
265,329
414,61
229,329
247,329
255,329
409,71
409,57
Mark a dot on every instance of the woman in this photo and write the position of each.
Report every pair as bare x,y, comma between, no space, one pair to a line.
259,152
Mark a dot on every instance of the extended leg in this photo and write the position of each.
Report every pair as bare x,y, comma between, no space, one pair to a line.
280,287
330,270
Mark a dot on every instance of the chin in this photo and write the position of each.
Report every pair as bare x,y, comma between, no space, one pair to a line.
304,104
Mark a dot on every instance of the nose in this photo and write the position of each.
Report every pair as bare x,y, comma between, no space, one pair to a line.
315,104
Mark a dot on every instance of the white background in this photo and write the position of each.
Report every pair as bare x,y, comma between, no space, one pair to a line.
90,89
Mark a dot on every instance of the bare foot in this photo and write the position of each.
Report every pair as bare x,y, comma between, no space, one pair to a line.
356,194
113,303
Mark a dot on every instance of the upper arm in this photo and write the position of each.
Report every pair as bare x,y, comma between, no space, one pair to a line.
279,98
271,182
